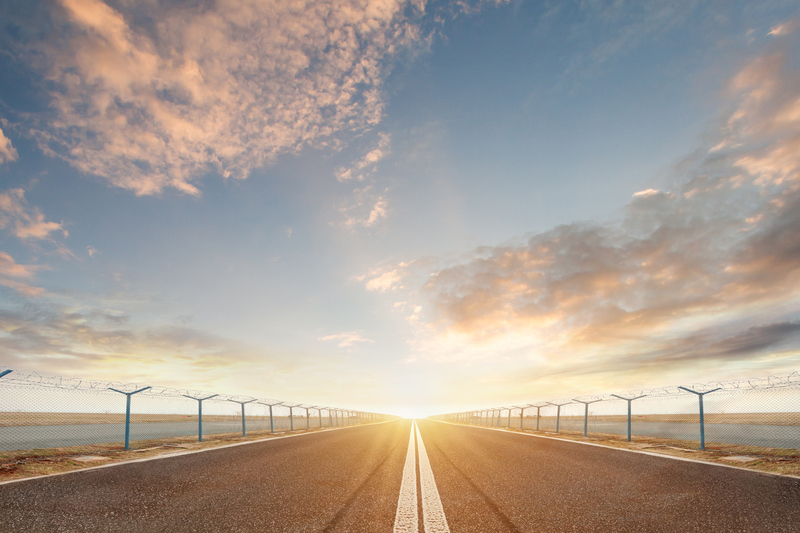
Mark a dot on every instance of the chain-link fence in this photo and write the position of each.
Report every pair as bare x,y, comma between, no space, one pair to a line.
763,412
44,412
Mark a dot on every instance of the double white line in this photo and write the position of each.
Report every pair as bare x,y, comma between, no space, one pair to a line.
407,518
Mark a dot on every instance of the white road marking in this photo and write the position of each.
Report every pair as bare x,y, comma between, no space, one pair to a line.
406,520
432,511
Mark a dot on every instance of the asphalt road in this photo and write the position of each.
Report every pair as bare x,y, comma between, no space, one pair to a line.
474,480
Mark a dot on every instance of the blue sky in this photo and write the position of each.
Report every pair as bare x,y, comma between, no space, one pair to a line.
401,206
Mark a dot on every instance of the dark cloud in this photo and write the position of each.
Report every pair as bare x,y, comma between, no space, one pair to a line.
758,339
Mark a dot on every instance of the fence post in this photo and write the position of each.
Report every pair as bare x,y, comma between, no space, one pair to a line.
319,412
702,415
585,415
244,426
558,412
538,409
271,423
330,417
629,400
521,415
200,414
508,425
128,413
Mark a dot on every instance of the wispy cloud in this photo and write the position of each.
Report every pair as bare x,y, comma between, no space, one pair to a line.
24,221
361,168
16,276
44,335
368,205
347,339
367,208
386,278
610,30
151,95
709,270
7,151
786,28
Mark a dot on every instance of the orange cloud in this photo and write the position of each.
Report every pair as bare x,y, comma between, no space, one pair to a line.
11,274
25,221
225,86
7,151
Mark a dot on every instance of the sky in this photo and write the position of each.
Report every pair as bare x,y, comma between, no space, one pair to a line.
400,206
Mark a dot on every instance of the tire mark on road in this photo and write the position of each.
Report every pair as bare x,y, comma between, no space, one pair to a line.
505,520
349,503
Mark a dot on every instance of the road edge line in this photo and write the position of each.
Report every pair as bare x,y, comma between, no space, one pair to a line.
653,454
187,452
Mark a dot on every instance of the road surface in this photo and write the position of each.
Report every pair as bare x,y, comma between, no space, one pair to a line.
396,477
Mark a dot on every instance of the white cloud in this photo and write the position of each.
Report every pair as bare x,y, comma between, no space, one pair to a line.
224,86
347,339
645,193
386,280
7,151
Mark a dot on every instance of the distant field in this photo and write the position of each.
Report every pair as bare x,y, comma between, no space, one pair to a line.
9,419
763,419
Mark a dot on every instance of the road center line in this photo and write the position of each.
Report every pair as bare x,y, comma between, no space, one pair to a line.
432,511
406,520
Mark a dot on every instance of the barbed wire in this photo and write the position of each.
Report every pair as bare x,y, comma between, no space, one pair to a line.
757,383
28,378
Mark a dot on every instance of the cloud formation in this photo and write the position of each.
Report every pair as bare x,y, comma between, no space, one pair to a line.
151,95
7,151
24,221
387,278
367,165
366,209
707,271
785,28
37,335
347,339
16,276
